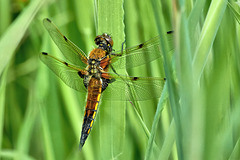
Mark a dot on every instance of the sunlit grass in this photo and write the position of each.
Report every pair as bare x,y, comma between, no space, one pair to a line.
197,116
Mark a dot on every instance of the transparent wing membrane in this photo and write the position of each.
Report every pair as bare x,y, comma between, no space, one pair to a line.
126,88
69,74
68,48
140,54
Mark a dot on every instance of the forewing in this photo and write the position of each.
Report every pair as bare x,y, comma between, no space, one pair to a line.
126,88
74,54
69,74
140,54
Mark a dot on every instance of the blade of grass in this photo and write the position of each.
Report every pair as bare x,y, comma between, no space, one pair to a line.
5,11
167,146
24,137
112,116
233,7
235,152
9,154
208,33
161,104
169,71
218,92
193,21
42,86
183,54
12,37
3,80
48,146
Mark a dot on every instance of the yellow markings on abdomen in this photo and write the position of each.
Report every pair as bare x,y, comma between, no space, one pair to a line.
94,95
91,123
98,97
94,114
96,105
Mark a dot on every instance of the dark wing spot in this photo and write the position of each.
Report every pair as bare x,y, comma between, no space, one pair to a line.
140,45
44,53
135,78
164,79
80,74
66,63
170,32
65,38
48,20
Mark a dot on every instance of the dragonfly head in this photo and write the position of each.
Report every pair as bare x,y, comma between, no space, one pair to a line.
104,42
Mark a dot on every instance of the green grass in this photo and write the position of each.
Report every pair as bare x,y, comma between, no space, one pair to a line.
197,116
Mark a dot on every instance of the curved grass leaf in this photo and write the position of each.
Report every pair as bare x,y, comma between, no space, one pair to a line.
208,33
233,7
157,116
12,37
3,81
111,114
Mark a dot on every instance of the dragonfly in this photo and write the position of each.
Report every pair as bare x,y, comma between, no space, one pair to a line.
96,74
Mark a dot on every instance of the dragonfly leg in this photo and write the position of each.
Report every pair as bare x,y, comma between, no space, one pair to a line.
122,46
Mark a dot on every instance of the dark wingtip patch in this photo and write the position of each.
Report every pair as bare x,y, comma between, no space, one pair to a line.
140,45
66,63
44,53
164,79
48,20
65,38
170,32
135,78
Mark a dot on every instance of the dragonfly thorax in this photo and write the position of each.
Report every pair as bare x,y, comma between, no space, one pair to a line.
94,68
97,54
93,62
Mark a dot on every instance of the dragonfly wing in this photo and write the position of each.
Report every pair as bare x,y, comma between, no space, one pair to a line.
74,54
140,54
126,88
70,74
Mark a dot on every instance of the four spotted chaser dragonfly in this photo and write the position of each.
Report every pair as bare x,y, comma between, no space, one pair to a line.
97,74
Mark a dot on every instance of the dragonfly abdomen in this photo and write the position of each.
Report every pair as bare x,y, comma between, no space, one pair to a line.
94,94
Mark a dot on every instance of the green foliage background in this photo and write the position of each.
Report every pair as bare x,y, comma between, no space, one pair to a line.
197,116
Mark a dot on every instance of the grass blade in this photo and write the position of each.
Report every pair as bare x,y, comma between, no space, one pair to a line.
161,104
208,33
233,7
2,104
113,127
15,33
